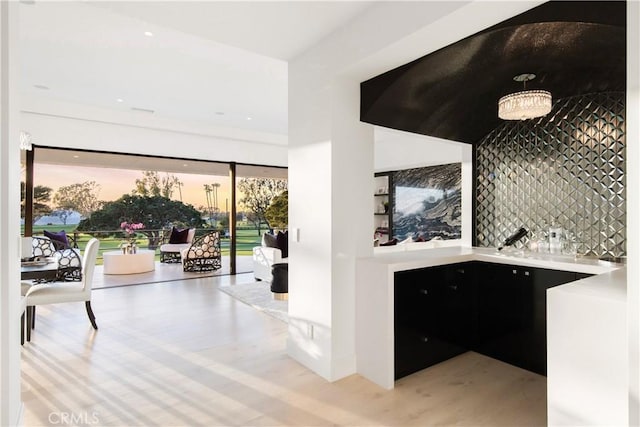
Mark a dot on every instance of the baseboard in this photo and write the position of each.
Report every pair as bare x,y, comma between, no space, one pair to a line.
20,417
343,367
319,366
330,370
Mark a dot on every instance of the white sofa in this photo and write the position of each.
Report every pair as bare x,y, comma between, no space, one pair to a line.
263,259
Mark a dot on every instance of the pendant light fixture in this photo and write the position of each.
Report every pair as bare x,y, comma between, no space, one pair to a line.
527,104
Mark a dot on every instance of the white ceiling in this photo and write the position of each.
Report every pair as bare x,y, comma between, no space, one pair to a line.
220,63
277,29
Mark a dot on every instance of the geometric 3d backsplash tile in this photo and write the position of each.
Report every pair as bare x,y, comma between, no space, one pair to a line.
567,167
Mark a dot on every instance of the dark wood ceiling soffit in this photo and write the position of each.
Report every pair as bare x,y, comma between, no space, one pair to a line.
573,48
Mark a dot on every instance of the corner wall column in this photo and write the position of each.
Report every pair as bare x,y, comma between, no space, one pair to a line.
331,209
633,207
10,405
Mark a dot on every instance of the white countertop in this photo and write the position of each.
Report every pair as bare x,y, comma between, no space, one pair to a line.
412,259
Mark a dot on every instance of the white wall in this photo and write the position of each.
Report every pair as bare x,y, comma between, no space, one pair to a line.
397,150
335,224
352,219
10,405
328,168
633,207
309,339
467,196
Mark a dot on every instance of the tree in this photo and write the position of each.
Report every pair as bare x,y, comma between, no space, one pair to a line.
278,211
155,212
82,198
257,194
224,222
211,193
63,214
41,199
152,185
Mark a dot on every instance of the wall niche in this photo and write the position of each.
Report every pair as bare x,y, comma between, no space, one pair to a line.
567,168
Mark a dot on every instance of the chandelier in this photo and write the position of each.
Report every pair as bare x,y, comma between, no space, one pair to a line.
527,104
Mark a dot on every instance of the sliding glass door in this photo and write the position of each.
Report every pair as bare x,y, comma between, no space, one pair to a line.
78,191
257,187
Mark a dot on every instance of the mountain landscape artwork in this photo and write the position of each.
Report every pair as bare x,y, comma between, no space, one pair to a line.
428,203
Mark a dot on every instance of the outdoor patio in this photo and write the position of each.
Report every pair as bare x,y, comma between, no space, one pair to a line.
165,272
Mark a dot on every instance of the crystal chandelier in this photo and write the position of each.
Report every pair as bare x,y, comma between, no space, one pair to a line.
527,104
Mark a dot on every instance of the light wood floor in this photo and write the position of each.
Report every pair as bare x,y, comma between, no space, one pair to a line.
184,353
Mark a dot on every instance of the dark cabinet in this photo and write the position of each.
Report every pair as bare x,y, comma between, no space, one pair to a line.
432,313
512,313
498,310
502,312
456,305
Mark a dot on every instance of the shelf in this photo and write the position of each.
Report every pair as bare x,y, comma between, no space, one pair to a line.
383,196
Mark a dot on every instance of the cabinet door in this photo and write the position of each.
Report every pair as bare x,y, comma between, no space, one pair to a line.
501,313
512,313
457,306
428,328
414,312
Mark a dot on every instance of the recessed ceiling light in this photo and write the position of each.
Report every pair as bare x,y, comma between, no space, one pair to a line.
148,33
248,118
120,100
43,87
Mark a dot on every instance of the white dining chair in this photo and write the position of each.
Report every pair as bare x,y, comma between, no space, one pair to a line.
59,292
26,247
22,310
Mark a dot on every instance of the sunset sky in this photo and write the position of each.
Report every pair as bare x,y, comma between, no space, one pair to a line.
114,183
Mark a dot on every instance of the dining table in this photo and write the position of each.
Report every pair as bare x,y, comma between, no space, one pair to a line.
39,270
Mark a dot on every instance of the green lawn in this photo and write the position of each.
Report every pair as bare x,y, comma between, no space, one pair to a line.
245,241
247,238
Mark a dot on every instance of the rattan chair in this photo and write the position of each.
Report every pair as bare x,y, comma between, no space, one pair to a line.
44,246
204,254
69,259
